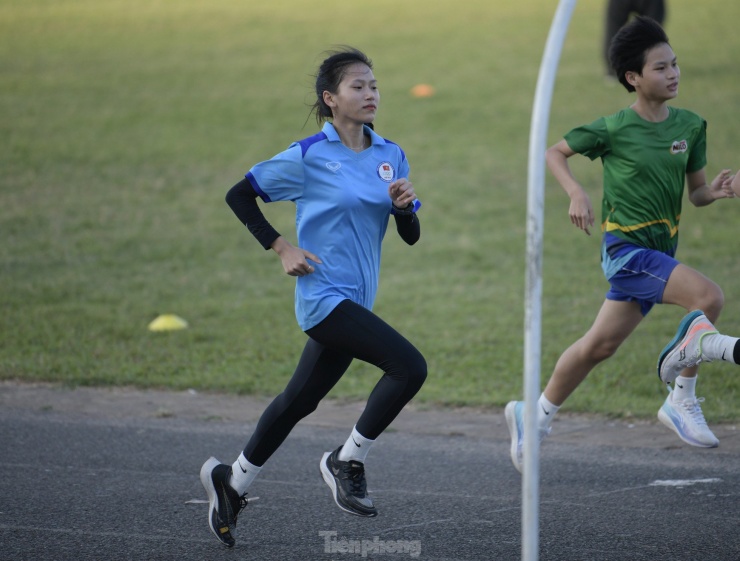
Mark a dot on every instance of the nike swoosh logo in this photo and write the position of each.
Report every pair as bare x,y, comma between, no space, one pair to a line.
545,410
240,465
353,440
679,385
723,354
335,470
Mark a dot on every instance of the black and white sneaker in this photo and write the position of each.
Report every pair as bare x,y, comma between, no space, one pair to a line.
347,483
224,504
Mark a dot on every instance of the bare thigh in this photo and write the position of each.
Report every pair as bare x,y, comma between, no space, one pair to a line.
692,290
613,324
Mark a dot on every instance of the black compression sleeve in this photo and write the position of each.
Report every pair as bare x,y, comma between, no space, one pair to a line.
242,198
408,227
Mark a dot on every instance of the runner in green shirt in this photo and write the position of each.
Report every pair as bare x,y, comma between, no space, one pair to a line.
645,168
648,151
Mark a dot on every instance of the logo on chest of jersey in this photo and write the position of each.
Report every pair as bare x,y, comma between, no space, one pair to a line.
679,146
386,171
333,166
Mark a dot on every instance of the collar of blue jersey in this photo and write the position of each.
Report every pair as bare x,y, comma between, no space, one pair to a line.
333,136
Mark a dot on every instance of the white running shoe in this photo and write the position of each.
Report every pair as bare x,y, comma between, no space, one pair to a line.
686,419
514,413
684,350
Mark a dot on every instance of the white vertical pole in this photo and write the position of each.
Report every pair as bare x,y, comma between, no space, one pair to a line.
533,296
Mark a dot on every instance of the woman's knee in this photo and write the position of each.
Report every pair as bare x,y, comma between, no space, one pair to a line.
599,350
415,370
692,290
712,301
419,370
295,406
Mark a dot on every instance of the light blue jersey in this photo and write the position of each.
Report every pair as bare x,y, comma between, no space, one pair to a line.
342,212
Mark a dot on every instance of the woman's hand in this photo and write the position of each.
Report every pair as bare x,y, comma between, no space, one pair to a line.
721,186
581,212
401,192
294,259
702,193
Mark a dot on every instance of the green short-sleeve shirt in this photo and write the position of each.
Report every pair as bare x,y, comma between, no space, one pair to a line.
645,167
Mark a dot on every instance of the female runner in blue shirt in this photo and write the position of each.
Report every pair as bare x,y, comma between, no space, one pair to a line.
346,182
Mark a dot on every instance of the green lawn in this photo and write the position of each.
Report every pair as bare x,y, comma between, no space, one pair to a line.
123,124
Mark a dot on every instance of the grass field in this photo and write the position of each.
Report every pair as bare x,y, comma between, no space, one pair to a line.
124,124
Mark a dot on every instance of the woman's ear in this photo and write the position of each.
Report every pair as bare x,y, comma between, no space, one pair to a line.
631,77
329,99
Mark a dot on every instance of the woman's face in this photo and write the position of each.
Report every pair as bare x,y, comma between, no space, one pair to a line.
357,96
660,75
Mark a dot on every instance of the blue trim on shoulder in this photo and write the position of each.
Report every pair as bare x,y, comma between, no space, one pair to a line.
306,143
253,180
403,154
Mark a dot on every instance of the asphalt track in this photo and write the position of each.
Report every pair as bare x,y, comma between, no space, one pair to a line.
113,474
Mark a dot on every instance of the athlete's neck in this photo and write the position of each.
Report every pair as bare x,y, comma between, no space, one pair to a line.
653,112
352,135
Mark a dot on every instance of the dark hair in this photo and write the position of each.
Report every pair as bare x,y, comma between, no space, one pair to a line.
330,74
629,47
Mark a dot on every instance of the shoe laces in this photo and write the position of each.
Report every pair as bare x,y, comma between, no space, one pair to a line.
235,505
243,501
355,474
234,515
693,409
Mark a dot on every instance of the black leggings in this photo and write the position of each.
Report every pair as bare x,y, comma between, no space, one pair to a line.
349,331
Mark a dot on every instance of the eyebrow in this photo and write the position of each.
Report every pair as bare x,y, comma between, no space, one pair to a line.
660,62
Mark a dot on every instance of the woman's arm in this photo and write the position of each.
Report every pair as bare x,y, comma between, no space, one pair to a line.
701,194
581,212
242,198
408,227
402,195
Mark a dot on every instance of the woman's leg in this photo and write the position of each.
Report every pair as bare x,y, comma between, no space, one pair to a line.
350,331
688,288
318,370
613,324
363,335
681,411
692,291
360,333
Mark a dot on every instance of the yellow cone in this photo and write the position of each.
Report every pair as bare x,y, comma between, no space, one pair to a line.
167,322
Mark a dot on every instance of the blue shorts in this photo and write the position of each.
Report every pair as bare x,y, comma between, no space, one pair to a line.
636,274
